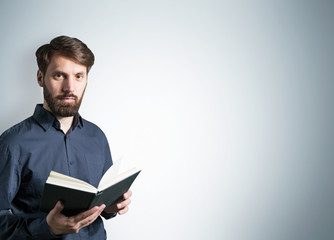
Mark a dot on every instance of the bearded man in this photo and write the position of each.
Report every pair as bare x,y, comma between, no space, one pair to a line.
55,138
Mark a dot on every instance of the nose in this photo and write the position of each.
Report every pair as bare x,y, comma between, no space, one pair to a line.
68,85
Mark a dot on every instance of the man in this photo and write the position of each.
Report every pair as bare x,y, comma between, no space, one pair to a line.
55,138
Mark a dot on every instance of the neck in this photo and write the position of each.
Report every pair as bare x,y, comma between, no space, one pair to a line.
65,123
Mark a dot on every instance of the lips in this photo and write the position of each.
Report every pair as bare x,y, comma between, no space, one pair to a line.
72,97
67,99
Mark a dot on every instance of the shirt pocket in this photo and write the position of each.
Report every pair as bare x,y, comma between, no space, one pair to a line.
95,165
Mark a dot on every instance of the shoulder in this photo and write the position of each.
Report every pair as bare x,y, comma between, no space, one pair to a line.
91,126
12,140
16,132
92,129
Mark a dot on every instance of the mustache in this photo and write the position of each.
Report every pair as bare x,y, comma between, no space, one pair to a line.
67,96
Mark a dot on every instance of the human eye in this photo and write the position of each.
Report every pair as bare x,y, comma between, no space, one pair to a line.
58,76
80,76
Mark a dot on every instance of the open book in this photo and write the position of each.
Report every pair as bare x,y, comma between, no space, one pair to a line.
79,196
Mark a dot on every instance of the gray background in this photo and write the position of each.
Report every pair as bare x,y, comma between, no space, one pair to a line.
226,106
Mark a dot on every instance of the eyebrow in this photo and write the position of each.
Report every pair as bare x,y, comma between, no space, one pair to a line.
64,73
83,73
59,72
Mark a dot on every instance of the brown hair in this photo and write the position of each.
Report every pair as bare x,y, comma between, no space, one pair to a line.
65,46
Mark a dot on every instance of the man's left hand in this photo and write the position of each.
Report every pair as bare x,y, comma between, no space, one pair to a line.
122,206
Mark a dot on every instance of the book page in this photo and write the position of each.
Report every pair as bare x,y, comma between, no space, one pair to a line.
110,173
59,179
110,179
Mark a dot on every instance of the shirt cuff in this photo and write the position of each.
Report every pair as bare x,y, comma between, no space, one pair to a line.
108,215
41,230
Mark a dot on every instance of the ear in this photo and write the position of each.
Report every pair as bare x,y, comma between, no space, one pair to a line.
40,78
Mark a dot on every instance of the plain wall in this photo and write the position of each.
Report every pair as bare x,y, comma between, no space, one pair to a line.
225,105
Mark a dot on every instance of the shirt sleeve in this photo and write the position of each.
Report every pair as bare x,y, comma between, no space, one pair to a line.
107,164
11,225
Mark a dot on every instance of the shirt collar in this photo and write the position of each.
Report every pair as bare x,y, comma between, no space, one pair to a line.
46,119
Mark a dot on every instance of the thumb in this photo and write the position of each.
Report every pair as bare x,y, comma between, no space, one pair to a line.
57,208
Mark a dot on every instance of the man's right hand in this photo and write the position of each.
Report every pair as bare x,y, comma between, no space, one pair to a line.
60,224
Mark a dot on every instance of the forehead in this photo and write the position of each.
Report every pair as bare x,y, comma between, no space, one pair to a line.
66,65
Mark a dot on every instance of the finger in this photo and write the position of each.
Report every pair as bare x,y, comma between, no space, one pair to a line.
57,208
127,195
91,218
123,204
123,211
53,215
84,215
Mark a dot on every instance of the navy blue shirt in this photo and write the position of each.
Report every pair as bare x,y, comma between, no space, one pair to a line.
28,152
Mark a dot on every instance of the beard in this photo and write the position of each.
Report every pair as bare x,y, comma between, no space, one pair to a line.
60,108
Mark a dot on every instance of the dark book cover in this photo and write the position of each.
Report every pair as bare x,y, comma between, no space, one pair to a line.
76,201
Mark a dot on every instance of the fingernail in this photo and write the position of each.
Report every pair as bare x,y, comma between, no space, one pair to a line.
119,205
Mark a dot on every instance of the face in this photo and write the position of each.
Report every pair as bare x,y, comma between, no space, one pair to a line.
63,85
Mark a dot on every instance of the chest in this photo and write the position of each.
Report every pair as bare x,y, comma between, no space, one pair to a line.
72,155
